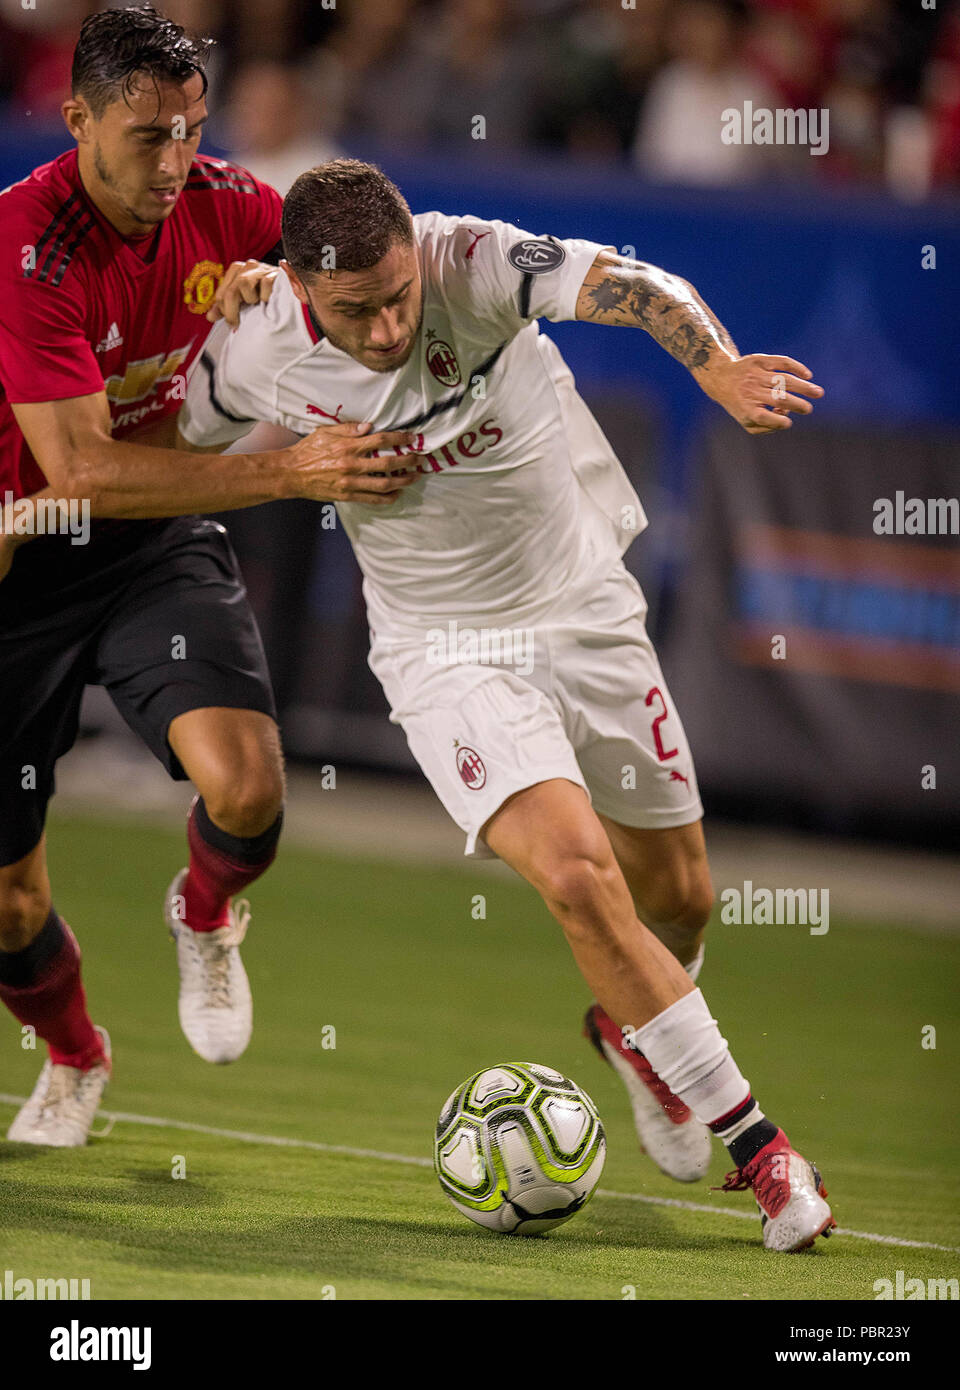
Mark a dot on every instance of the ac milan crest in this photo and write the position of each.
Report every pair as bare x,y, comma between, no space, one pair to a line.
471,769
442,360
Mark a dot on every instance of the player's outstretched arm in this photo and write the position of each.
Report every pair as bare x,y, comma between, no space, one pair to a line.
71,442
758,390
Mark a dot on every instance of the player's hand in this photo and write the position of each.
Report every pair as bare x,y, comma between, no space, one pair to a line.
337,463
246,282
759,391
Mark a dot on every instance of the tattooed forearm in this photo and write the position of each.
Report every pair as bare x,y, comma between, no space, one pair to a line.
632,294
759,391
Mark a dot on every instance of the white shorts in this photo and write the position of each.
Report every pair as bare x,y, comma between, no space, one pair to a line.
583,699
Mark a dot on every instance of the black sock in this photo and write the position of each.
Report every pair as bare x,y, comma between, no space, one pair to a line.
19,969
743,1139
245,850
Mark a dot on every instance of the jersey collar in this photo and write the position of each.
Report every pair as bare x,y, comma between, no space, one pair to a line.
317,334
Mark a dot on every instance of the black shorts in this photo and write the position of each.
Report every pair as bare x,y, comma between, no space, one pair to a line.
155,612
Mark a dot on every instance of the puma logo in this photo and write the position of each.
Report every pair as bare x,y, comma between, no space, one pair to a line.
477,236
676,776
315,410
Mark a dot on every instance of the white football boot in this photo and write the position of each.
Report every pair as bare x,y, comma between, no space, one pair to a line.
60,1111
789,1193
216,1007
667,1129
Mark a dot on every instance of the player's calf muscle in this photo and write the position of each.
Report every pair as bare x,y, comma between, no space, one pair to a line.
549,834
633,976
677,915
24,904
680,902
668,875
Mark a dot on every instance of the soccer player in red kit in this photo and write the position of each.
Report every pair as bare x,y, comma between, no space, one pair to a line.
110,260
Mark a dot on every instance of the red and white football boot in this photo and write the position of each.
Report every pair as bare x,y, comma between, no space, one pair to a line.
667,1129
789,1193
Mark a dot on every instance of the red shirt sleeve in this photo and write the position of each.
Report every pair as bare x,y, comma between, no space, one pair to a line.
44,352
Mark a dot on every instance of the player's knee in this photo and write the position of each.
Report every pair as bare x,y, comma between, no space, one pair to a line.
578,888
246,800
23,911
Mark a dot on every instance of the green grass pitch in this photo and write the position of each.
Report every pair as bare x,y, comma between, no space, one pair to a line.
420,994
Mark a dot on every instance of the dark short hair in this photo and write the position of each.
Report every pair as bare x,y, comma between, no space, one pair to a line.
115,45
349,207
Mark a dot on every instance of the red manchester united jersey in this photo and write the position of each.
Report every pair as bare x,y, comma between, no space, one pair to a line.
83,309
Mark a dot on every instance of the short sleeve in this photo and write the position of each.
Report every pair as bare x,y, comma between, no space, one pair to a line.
509,273
44,351
218,408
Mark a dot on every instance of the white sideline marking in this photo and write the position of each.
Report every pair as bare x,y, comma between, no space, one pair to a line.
752,1216
349,1151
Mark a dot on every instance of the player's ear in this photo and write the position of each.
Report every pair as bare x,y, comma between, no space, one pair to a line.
78,118
295,281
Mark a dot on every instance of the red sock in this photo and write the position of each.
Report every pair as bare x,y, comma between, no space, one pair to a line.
55,1005
220,865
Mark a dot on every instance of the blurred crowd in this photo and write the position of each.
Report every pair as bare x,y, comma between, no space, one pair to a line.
639,83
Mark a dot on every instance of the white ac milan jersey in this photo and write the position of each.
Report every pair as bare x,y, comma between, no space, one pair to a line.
522,504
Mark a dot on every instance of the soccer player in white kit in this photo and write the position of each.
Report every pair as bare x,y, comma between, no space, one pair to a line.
507,634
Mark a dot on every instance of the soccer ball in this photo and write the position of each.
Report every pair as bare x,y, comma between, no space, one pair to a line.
519,1148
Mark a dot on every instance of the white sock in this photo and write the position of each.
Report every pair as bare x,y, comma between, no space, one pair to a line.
696,965
685,1049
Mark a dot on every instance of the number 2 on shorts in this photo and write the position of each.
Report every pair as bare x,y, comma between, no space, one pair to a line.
655,693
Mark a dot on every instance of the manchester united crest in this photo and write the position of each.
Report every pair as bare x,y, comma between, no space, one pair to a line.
201,285
442,360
